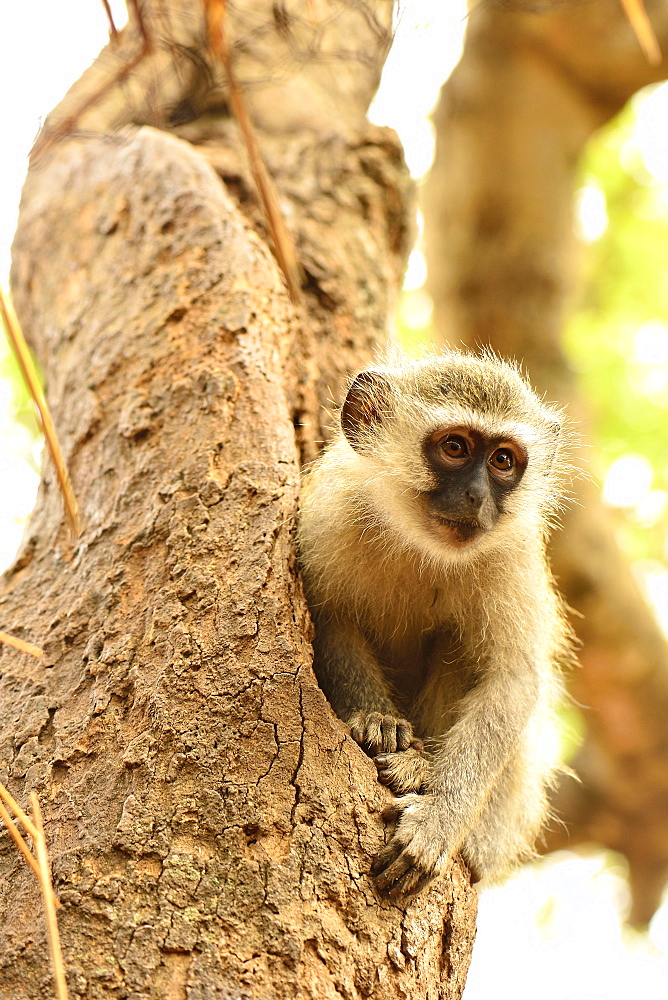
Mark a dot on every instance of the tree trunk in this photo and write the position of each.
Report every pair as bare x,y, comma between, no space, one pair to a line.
210,822
512,122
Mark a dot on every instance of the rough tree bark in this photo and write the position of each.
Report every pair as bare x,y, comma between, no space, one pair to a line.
512,122
210,822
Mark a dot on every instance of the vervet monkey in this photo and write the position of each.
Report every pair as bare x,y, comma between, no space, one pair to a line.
422,540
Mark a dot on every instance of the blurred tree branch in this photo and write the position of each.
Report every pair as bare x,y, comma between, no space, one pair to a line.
512,123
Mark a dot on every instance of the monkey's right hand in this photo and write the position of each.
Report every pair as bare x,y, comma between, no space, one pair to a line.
420,848
377,733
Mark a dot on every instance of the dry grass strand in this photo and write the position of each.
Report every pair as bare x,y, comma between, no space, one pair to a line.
21,644
18,839
286,255
49,907
51,134
11,803
113,30
27,367
642,26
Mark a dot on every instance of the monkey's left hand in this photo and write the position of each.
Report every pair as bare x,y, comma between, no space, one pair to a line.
420,848
406,771
378,732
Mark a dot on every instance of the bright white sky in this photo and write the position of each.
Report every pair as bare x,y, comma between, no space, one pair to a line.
45,51
554,931
46,46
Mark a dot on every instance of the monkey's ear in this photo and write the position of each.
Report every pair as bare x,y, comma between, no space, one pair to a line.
367,403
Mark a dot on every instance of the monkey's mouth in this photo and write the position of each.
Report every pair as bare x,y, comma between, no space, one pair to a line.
460,531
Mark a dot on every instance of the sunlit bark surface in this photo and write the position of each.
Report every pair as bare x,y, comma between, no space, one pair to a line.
211,824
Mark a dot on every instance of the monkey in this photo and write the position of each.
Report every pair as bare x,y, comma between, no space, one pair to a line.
440,636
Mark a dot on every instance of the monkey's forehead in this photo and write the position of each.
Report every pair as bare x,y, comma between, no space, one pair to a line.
482,384
488,424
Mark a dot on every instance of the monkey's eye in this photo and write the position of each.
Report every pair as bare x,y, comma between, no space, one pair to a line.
455,447
502,460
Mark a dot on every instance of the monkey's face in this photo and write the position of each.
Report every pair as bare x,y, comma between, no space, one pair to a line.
475,475
456,454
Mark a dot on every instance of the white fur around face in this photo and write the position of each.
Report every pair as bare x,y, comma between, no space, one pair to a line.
393,471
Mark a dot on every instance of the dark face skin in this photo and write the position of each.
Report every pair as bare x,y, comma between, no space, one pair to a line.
475,475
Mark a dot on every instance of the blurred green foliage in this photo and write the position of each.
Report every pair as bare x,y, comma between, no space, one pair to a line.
572,729
617,336
21,408
623,306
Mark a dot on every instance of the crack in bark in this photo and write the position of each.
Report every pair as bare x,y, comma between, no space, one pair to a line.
300,759
276,755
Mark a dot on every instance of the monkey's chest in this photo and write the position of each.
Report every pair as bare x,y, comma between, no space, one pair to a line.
418,662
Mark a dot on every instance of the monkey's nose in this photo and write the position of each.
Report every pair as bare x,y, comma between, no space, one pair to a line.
474,499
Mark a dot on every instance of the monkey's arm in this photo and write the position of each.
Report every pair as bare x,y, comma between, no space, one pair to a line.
467,770
350,675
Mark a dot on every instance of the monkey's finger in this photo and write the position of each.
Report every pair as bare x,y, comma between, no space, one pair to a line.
373,735
389,734
389,875
414,880
357,733
403,772
384,768
404,734
384,775
425,879
385,857
388,856
390,814
417,745
366,730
